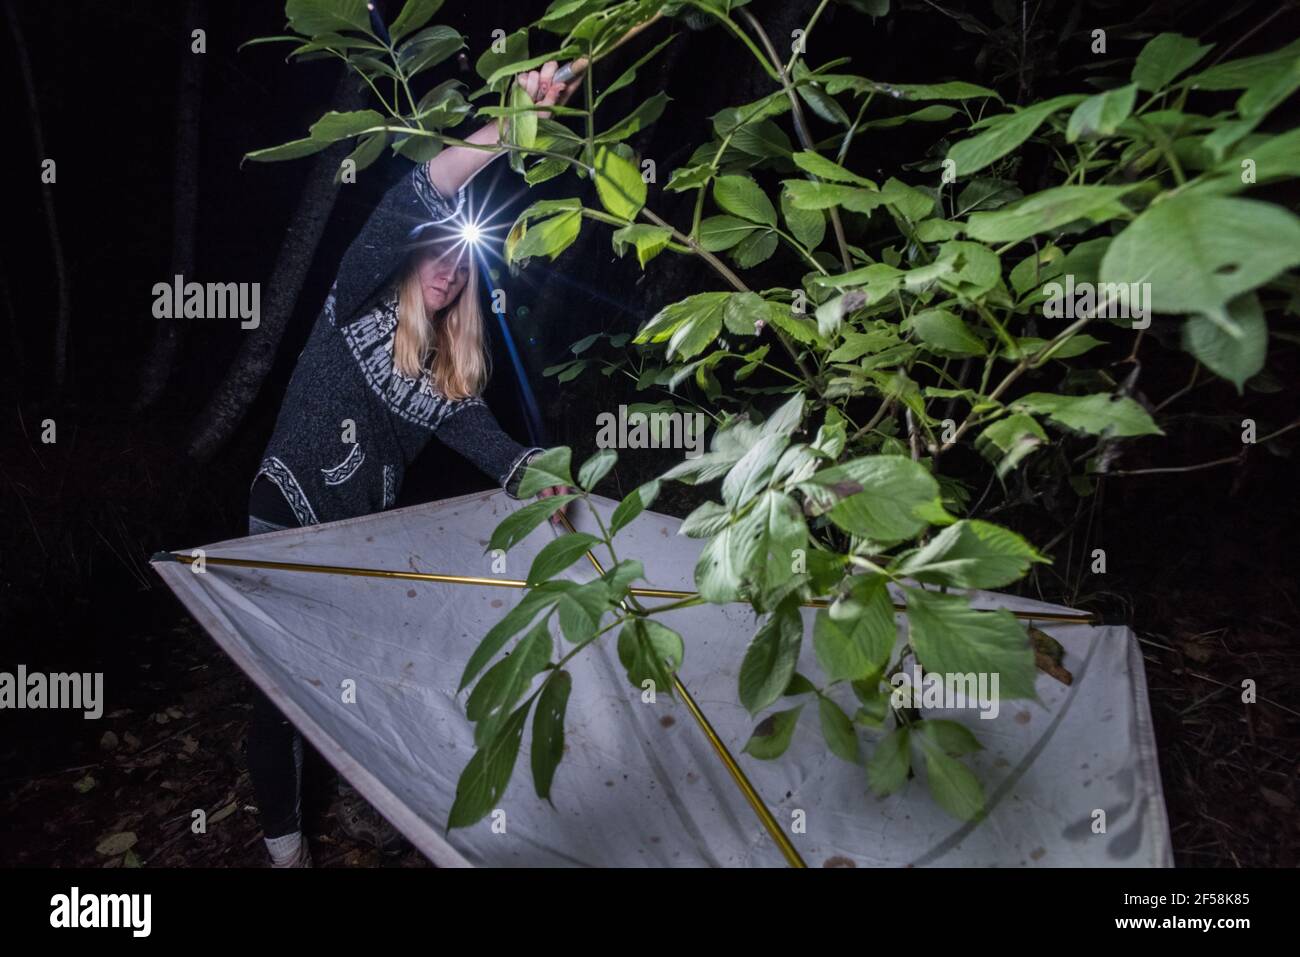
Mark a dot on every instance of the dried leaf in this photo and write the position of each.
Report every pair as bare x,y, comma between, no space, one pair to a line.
115,844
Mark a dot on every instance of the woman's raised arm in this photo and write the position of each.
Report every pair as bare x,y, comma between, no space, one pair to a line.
455,166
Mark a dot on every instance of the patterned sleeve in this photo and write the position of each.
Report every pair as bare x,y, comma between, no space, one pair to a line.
409,204
473,432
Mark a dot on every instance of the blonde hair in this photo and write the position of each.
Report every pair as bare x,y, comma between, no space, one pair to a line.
449,347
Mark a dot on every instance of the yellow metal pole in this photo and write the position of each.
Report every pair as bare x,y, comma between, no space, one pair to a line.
1083,619
765,816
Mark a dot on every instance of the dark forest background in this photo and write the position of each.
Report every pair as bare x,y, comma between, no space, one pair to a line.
148,140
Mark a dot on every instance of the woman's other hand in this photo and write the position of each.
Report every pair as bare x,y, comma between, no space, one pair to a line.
543,90
557,490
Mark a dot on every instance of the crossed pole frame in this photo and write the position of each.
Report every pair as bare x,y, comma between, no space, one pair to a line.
746,787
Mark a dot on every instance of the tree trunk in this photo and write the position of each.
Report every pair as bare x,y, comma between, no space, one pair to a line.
230,404
185,197
59,366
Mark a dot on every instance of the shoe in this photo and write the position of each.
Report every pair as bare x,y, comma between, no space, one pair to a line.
363,823
291,850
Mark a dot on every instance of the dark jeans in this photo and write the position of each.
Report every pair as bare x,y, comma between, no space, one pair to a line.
275,748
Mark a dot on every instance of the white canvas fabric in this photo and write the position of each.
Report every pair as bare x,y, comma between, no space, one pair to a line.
640,784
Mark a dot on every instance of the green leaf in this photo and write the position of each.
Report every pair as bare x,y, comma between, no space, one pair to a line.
548,732
873,696
1247,71
882,497
909,202
596,468
633,504
550,237
707,520
752,473
368,150
1004,132
976,269
546,470
579,607
516,49
797,327
689,177
428,48
487,775
743,197
1274,158
927,114
650,652
805,194
621,576
718,233
330,128
688,325
508,70
772,735
313,17
1234,359
1164,57
950,737
523,125
823,104
972,554
946,334
890,763
1101,114
515,620
755,553
648,239
1200,251
951,637
799,685
824,168
985,193
952,784
851,648
558,555
755,248
627,76
838,730
1046,211
294,149
1009,440
786,418
414,15
506,681
1098,414
645,114
770,659
334,126
763,141
620,187
955,90
807,225
731,118
858,344
516,526
744,313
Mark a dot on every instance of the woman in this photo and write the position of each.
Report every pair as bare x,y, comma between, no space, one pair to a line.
396,357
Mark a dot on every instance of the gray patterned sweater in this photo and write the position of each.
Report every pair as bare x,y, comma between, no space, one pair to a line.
345,385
